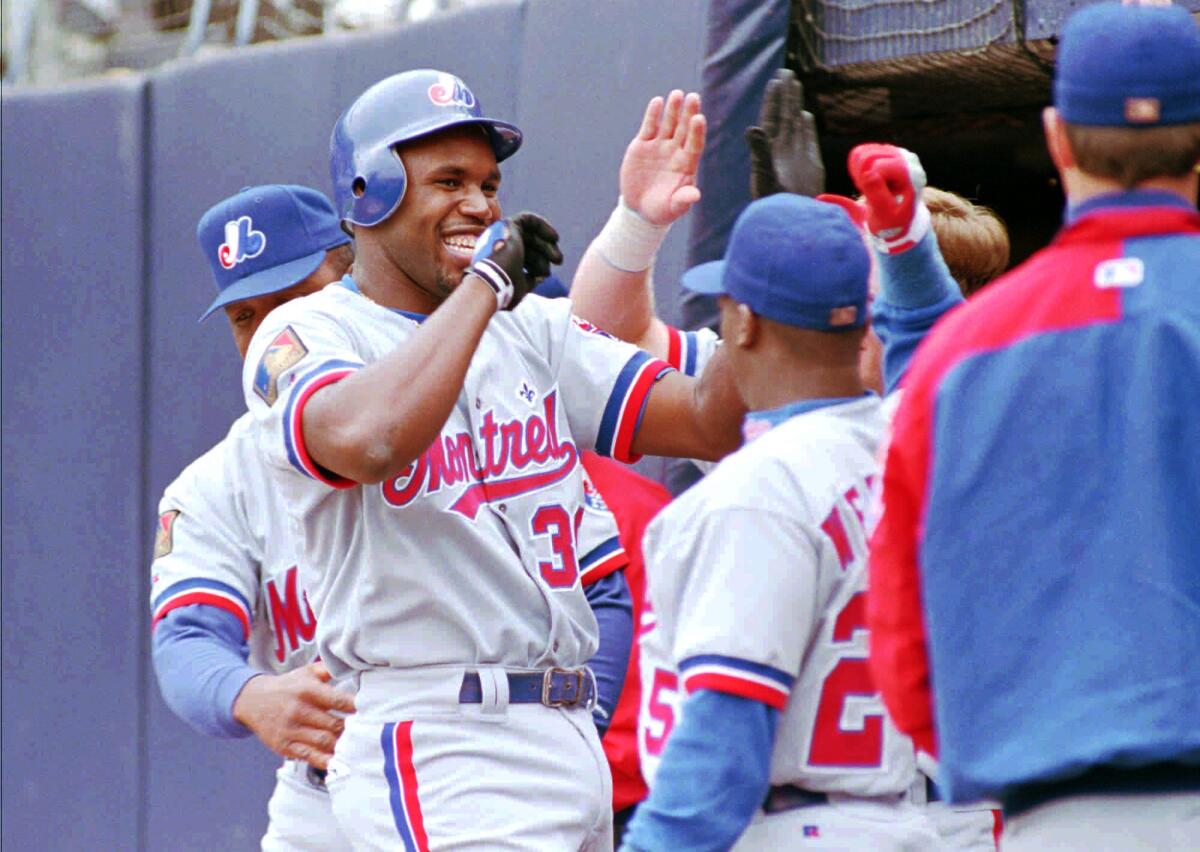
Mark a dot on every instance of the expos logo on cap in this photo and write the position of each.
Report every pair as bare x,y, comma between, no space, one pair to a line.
451,91
242,242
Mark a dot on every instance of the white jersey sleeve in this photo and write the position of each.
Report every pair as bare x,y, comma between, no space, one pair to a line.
205,551
295,353
752,646
223,540
608,380
690,351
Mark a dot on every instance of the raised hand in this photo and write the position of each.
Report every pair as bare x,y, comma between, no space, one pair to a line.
785,155
658,173
293,713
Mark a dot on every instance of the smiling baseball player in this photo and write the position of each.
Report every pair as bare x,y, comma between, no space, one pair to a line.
427,438
231,617
233,630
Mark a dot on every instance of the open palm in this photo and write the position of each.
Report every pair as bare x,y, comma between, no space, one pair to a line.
658,174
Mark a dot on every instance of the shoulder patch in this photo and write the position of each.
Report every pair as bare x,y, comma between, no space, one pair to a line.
283,353
163,541
584,325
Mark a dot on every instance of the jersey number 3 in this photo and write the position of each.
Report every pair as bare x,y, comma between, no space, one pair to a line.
553,521
832,743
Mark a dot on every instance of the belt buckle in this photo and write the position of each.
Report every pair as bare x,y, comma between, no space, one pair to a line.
548,683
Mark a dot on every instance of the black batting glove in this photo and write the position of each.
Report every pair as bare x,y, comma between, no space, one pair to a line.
499,259
785,155
541,246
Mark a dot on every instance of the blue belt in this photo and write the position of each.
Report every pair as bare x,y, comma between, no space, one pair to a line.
931,791
553,688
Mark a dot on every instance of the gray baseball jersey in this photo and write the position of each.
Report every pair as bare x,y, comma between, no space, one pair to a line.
758,579
471,553
222,540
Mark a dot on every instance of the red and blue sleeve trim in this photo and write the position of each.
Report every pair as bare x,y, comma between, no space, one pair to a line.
201,590
403,790
682,350
293,432
602,560
623,412
736,676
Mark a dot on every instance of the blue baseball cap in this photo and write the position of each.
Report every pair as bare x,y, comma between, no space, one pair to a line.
794,260
1128,66
266,239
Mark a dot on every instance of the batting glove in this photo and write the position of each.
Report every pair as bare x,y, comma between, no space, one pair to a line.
513,255
785,155
892,181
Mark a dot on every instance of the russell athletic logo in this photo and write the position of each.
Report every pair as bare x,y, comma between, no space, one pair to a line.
510,449
451,91
242,242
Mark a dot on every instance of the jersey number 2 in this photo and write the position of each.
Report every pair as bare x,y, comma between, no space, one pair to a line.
832,744
563,568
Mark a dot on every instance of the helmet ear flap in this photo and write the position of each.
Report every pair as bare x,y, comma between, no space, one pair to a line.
377,187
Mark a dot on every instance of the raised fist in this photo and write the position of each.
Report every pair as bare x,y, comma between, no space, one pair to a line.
892,181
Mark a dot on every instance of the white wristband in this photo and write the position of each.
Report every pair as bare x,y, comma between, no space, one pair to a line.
496,278
894,241
627,241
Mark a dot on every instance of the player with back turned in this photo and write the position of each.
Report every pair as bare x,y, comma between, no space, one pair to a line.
1035,572
424,418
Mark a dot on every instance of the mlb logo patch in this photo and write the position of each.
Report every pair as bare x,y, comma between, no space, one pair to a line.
845,315
812,831
584,325
1120,272
1143,110
283,353
163,540
591,495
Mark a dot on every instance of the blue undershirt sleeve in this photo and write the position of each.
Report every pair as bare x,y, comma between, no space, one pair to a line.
916,289
714,775
612,604
200,659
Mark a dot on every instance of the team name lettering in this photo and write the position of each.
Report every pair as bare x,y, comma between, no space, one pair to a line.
834,524
508,448
288,621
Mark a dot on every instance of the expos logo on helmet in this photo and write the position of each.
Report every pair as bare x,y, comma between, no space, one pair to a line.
451,91
242,242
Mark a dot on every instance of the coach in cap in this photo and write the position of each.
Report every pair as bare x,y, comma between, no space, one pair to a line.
1035,574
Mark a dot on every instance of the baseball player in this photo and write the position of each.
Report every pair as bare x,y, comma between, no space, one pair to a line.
1047,434
223,541
233,630
426,436
758,573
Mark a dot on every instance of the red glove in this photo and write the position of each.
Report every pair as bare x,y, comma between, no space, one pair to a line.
891,180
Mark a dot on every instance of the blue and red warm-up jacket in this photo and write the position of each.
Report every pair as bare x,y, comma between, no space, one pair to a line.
1038,549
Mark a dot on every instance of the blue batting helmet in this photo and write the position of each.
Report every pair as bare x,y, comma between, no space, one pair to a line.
368,176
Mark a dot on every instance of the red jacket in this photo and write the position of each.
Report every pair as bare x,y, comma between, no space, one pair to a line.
634,501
